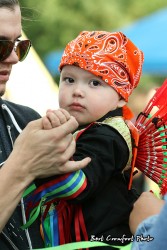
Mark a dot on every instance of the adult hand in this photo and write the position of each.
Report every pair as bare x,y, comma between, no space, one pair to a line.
146,205
37,153
42,153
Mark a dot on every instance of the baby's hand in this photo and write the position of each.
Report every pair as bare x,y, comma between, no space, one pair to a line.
55,118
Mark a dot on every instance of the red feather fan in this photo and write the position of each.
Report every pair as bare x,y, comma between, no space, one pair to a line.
151,145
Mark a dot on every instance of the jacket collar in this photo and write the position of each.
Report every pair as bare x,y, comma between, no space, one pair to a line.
113,113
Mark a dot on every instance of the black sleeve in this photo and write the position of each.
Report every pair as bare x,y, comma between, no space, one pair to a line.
109,153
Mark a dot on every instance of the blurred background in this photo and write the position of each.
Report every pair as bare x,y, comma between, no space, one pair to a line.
52,24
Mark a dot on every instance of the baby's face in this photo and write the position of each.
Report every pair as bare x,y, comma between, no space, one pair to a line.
85,96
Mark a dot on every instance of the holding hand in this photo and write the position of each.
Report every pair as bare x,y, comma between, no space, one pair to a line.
37,153
42,153
55,118
146,205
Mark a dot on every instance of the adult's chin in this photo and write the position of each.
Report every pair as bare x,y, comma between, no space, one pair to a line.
2,88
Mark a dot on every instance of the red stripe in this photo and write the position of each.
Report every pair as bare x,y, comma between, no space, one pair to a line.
51,183
82,131
77,228
80,190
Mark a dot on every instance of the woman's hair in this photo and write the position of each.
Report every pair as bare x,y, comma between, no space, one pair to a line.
10,4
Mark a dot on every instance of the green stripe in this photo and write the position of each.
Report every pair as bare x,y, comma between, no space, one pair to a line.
29,190
35,212
74,190
85,244
33,216
62,188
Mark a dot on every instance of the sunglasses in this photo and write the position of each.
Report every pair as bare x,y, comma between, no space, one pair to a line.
20,47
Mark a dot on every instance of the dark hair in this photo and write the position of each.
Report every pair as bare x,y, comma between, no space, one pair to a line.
10,4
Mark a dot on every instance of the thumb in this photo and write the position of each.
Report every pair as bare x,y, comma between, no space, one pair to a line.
36,124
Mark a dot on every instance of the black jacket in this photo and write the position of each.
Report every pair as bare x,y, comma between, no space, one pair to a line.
106,202
12,236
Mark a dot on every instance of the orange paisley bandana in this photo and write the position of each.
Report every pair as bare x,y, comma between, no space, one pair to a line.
110,56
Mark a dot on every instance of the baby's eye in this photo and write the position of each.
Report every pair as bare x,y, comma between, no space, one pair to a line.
94,83
68,80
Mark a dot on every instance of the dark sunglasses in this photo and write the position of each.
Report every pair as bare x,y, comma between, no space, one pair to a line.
21,48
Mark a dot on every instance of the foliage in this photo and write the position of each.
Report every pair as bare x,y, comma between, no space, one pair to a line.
52,23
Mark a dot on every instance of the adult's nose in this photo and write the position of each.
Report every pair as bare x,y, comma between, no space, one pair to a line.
12,58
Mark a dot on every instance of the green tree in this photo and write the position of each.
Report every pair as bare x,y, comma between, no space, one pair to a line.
51,24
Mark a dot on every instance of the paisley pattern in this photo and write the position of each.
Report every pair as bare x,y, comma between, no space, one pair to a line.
110,56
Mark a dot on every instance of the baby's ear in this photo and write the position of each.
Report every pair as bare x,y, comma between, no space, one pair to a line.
121,103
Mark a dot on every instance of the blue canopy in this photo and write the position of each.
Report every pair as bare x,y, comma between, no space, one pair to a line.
148,33
52,61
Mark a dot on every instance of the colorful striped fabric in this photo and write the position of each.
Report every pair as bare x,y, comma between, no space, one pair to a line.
65,187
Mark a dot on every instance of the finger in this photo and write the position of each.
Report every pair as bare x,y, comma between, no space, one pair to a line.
61,115
69,147
66,113
46,123
66,128
72,166
53,118
49,110
35,125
